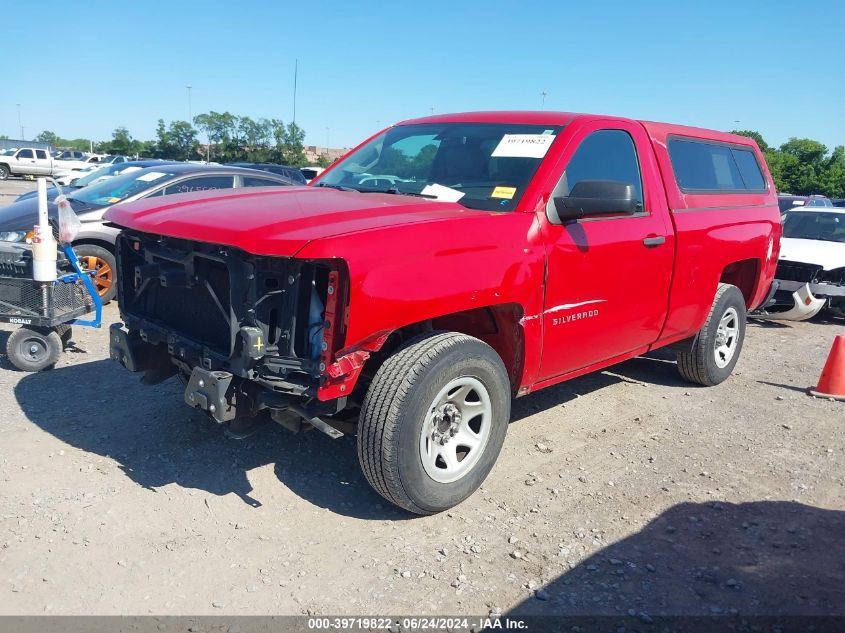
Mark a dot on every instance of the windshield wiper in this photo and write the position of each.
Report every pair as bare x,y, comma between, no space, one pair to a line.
338,187
397,192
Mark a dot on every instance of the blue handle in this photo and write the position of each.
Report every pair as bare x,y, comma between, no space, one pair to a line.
89,286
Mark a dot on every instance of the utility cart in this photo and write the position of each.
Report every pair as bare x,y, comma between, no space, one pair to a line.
46,311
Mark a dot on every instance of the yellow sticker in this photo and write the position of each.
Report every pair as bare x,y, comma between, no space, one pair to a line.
113,200
503,192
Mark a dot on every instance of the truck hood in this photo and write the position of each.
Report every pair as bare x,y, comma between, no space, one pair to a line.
828,255
277,221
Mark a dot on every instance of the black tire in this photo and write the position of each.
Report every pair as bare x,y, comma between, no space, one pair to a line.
4,172
33,349
699,365
104,265
65,333
396,407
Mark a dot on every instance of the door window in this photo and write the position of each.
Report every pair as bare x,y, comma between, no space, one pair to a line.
40,153
603,155
25,153
250,181
201,183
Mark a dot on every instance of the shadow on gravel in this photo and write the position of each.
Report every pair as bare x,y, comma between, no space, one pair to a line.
783,386
157,440
766,558
655,368
767,324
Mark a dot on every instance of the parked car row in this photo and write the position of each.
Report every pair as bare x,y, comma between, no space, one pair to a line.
68,165
31,161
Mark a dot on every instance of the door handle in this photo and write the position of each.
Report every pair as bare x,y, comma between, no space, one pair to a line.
654,240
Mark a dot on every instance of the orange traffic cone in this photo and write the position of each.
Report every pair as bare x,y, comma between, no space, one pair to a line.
832,381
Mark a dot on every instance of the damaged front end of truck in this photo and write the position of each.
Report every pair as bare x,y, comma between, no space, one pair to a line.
252,337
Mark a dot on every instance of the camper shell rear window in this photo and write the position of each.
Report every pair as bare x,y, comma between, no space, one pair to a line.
702,166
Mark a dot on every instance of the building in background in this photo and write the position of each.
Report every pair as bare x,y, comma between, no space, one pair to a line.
313,152
10,143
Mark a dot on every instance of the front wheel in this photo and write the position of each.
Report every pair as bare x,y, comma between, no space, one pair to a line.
716,349
433,421
102,265
4,172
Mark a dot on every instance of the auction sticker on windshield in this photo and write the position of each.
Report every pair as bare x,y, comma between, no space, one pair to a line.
153,175
524,145
503,192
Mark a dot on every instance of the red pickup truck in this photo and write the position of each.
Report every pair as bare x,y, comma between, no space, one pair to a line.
442,267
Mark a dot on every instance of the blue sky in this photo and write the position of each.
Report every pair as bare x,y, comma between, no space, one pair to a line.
82,69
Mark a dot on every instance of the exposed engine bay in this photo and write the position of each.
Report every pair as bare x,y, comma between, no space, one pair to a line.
249,335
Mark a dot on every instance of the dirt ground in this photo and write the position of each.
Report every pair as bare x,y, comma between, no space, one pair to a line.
623,492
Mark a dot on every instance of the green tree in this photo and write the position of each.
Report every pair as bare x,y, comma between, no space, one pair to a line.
805,175
294,137
51,138
176,141
183,136
255,138
833,176
758,138
162,147
121,143
221,128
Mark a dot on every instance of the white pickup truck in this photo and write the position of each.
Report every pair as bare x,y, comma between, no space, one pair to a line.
30,161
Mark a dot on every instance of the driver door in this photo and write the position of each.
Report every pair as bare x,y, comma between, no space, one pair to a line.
608,277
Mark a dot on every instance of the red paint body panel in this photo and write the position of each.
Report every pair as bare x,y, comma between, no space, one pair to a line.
410,260
272,221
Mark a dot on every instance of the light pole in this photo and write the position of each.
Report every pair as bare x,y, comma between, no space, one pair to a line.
543,99
190,117
20,124
327,140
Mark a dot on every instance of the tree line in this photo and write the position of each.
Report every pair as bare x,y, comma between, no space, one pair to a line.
803,166
229,138
800,166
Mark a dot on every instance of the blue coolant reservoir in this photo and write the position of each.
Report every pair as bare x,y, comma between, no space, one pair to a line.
315,326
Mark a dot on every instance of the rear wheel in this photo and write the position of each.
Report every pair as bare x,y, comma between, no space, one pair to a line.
33,349
102,264
718,345
433,421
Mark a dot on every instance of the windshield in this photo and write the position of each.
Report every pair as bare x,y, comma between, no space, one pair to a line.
479,165
815,225
120,187
104,172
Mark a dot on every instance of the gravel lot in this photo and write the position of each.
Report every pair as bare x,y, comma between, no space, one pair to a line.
626,491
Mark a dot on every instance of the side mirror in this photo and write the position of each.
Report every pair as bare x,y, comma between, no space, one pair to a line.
594,197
